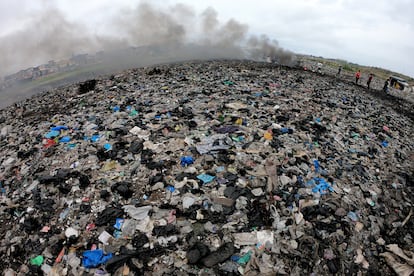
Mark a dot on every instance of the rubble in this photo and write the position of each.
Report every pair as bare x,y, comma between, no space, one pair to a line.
208,168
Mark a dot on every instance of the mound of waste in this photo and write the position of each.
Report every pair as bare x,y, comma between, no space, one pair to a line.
207,168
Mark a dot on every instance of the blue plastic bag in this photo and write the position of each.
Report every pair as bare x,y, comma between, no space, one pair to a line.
95,138
186,160
52,134
206,178
64,139
353,216
171,188
322,186
284,130
316,164
94,258
59,128
118,223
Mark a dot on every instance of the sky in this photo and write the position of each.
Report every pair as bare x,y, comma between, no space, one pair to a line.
368,32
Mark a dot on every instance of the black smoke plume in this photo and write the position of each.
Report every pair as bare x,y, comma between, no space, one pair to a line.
172,33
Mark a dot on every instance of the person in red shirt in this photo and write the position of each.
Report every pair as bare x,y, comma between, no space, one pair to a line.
357,76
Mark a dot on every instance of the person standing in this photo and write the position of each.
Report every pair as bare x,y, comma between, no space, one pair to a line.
339,71
357,76
369,80
385,88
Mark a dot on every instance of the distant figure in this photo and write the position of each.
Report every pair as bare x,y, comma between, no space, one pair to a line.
357,76
19,110
319,68
339,71
369,80
386,83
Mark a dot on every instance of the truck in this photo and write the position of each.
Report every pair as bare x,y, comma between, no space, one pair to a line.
399,83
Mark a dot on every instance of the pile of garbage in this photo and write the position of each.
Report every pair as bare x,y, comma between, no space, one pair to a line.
207,168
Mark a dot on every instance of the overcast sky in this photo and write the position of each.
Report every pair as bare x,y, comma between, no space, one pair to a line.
369,32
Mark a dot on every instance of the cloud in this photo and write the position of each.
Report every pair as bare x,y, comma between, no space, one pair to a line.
371,32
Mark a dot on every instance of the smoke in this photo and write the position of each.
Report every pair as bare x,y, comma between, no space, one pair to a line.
169,34
263,46
146,26
50,36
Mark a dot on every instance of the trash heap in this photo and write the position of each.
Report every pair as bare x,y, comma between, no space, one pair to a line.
209,168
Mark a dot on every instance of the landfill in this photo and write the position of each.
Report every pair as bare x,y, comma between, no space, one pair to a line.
208,168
